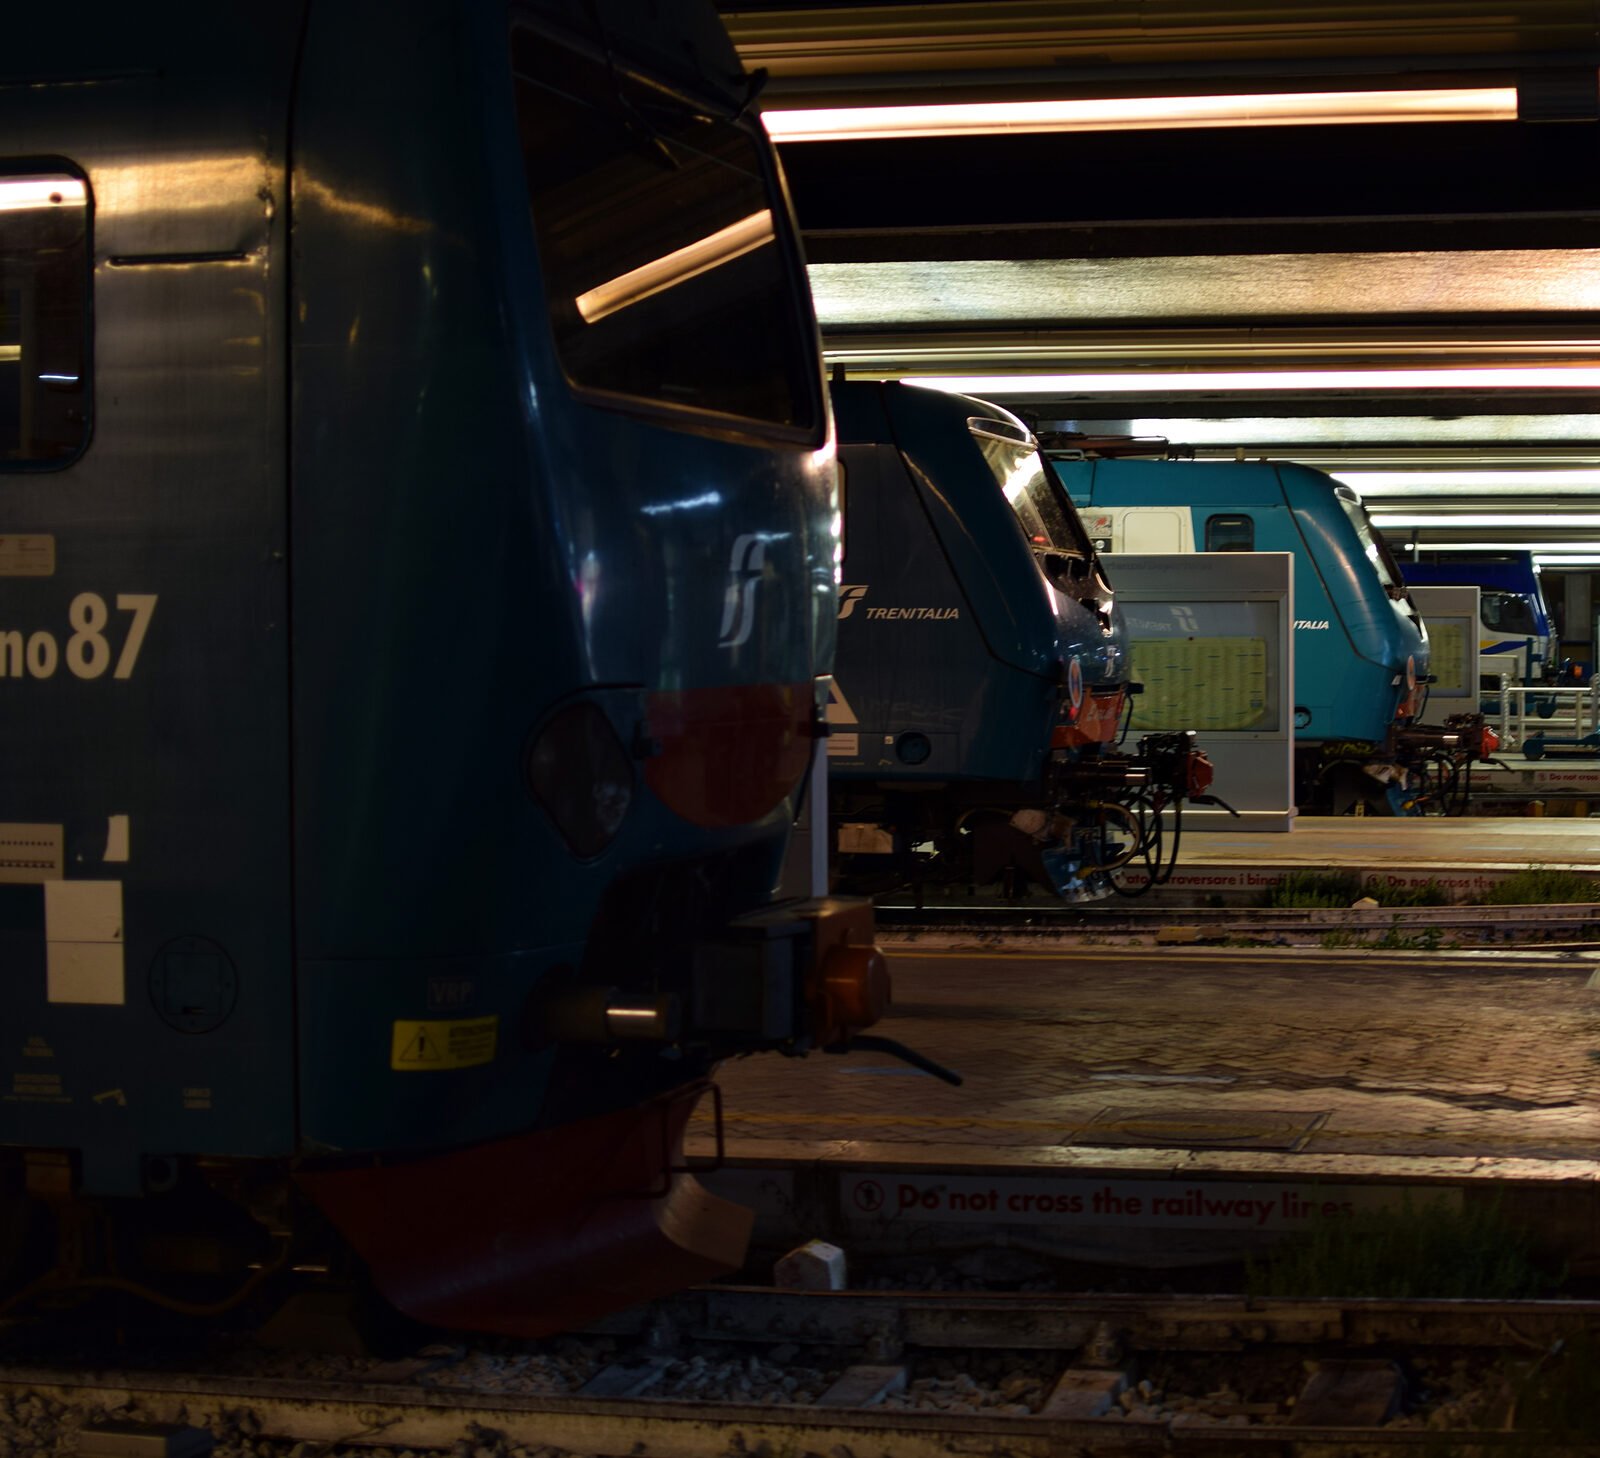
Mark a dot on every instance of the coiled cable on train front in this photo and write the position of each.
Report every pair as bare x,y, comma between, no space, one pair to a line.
1136,829
1149,846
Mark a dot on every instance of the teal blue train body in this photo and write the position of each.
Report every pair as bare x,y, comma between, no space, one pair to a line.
1361,648
417,578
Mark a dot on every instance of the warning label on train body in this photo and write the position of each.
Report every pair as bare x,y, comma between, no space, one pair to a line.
1175,1204
442,1043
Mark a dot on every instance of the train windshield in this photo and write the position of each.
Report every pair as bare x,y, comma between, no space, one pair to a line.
1508,612
1020,471
659,236
1376,549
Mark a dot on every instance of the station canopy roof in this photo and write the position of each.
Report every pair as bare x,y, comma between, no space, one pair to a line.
1365,236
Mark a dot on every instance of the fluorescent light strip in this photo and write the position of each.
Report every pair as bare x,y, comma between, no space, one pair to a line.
1557,561
1479,496
1468,481
676,267
1144,382
1395,442
1587,520
978,118
17,193
1505,546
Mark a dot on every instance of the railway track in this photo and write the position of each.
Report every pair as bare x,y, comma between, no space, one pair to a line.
1385,926
1354,1364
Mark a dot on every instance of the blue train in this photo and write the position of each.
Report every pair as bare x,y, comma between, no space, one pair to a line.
1361,648
417,583
983,673
1513,621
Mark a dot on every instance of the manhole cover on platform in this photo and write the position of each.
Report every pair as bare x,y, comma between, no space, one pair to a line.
1201,1129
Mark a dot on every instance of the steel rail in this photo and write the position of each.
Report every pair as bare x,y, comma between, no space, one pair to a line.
1501,922
1138,1322
398,1414
1266,916
393,1417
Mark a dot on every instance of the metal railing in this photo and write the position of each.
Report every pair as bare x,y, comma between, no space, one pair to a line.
1519,711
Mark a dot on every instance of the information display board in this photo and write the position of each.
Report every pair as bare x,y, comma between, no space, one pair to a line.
1451,616
1212,641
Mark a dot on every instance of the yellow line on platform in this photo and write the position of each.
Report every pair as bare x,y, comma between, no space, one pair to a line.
1370,956
1316,1143
915,1121
954,954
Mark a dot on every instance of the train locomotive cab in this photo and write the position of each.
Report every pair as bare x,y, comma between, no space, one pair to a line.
1514,622
413,423
983,669
1361,646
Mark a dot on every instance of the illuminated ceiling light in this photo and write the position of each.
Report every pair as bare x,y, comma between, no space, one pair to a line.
1479,443
1480,495
1146,382
989,118
40,192
1559,560
10,353
1585,519
1505,546
677,267
1429,483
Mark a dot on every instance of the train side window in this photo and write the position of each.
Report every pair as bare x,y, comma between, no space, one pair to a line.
44,316
660,238
1230,534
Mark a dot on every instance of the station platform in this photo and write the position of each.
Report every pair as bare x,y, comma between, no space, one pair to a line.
1466,855
1170,1109
1559,774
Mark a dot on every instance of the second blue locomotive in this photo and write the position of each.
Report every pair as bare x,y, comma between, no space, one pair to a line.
983,670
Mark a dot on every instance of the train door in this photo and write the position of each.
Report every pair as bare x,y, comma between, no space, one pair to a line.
1138,529
1155,530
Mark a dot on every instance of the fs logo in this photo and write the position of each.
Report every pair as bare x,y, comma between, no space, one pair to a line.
746,565
848,598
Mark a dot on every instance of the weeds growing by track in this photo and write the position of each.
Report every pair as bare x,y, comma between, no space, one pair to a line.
1542,886
1436,1251
1535,886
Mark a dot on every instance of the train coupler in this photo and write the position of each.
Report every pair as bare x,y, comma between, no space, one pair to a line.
1178,768
804,975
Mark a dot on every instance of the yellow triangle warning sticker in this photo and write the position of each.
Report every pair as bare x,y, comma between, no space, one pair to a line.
421,1049
418,1045
839,710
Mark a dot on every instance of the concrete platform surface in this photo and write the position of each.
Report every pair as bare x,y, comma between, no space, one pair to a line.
1557,774
1481,1055
1506,842
1466,855
1173,1107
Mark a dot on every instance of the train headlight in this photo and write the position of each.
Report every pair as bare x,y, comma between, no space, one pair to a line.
1415,691
1074,689
582,778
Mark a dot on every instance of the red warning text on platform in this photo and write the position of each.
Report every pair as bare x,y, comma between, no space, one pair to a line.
1177,1203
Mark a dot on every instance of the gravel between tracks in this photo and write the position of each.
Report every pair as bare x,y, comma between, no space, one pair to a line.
1446,1391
